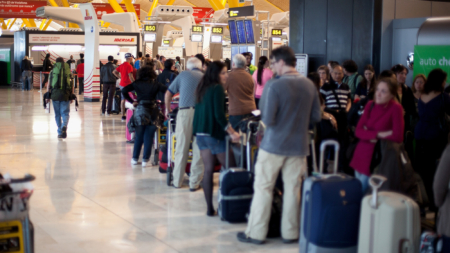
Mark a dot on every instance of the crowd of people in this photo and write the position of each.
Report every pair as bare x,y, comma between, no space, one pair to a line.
359,111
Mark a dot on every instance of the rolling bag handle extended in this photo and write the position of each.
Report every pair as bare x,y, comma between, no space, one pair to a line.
252,128
313,151
375,186
323,146
227,152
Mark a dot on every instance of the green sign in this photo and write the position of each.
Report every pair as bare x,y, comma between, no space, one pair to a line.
427,58
5,62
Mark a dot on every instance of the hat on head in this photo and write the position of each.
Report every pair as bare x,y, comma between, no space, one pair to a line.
127,55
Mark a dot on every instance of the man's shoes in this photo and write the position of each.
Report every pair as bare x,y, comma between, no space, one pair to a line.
124,118
211,214
289,241
64,132
242,237
195,188
130,141
103,114
133,162
60,136
144,164
175,186
108,114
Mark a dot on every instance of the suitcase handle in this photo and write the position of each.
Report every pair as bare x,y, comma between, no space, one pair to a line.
313,151
227,151
375,186
323,146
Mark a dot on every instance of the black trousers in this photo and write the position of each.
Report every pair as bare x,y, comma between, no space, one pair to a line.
109,89
81,84
45,80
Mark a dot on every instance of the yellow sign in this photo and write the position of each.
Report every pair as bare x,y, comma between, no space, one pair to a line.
217,30
198,29
277,32
150,28
234,13
166,41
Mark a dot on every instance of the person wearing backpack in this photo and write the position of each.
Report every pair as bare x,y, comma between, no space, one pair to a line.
352,78
61,91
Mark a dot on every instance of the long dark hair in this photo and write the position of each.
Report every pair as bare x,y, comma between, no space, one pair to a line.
434,81
261,63
146,72
211,77
372,81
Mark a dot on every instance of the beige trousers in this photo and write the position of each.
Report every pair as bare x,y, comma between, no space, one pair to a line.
267,170
183,133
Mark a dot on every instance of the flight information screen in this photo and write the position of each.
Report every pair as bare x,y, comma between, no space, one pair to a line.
233,32
241,32
249,31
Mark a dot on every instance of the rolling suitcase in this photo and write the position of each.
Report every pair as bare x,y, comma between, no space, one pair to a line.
116,103
390,222
330,210
129,135
236,190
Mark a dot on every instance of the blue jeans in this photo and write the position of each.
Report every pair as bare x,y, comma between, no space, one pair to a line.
27,80
62,110
364,181
446,243
144,135
207,142
235,119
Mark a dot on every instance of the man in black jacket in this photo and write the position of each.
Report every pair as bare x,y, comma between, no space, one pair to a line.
109,84
46,68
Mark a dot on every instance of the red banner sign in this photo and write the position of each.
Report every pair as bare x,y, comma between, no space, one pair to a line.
101,9
200,13
20,9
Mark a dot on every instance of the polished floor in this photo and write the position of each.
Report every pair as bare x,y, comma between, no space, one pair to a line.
88,197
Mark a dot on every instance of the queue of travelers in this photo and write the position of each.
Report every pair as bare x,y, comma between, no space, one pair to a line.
359,111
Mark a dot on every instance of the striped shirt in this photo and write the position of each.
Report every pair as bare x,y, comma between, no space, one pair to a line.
342,92
186,84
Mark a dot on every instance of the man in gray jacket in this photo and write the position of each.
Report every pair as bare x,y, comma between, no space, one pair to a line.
109,85
289,104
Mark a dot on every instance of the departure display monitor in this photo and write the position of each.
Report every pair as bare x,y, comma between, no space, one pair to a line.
197,38
150,37
197,29
216,38
241,31
277,32
249,31
149,28
217,30
233,31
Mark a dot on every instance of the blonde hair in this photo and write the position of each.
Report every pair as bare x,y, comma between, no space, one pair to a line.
25,57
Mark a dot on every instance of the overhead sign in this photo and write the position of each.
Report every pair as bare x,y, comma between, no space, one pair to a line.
101,9
241,11
277,32
20,9
217,30
201,13
79,39
167,42
427,58
149,28
197,29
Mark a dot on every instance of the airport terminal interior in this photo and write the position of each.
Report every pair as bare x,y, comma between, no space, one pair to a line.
218,126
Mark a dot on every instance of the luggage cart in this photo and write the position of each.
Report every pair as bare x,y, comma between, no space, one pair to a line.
16,229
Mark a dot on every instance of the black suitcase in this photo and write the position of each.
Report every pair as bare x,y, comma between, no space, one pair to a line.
236,191
116,103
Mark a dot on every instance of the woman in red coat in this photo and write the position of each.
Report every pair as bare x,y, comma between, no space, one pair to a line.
382,119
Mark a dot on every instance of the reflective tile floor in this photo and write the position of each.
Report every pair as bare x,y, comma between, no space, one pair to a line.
88,198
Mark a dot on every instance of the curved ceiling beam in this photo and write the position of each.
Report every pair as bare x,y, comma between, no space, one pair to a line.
130,8
216,4
274,6
170,2
234,4
154,4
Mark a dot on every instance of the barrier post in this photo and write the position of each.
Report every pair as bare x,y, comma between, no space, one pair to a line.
40,82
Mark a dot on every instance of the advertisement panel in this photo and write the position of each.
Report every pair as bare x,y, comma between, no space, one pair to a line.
101,9
79,39
427,58
20,9
202,12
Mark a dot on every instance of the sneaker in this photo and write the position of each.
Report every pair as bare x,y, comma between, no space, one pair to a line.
195,188
64,132
289,241
130,141
242,237
103,114
144,164
60,136
133,162
124,118
107,114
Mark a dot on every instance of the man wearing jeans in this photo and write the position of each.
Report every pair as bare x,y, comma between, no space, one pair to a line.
289,104
186,84
61,91
109,85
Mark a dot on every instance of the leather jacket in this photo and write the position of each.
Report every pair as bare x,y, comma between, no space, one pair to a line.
106,73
